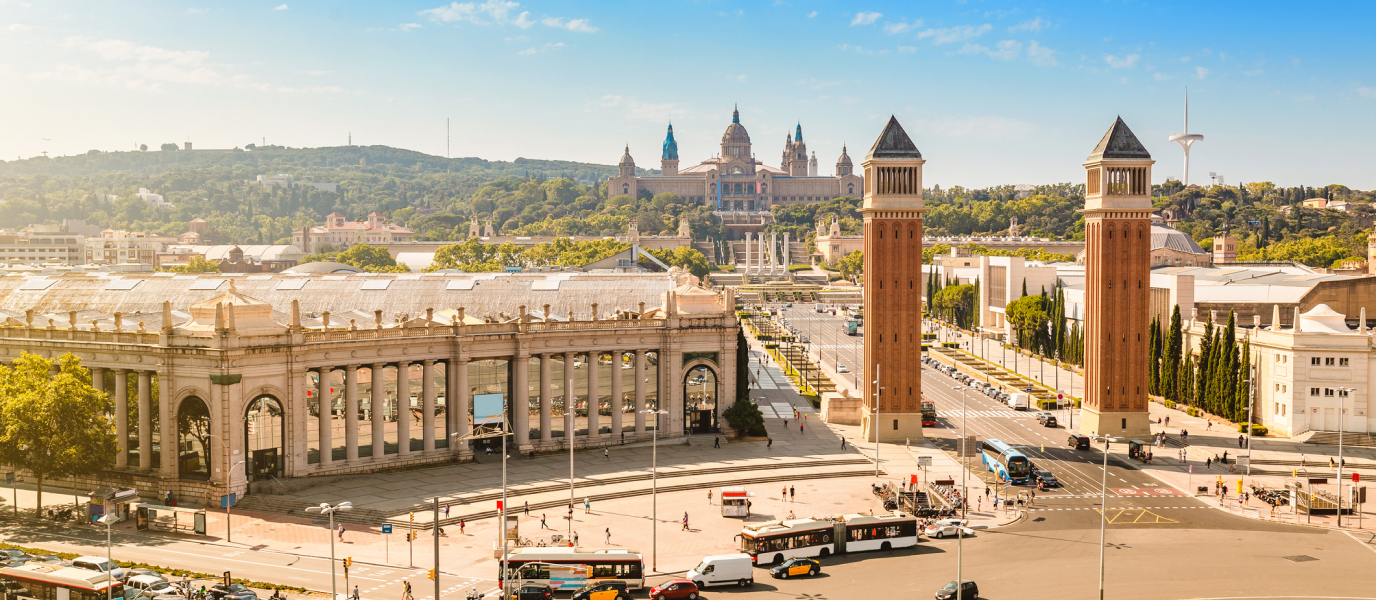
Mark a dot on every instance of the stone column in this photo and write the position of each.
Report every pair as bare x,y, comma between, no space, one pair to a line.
570,400
520,404
122,418
403,408
145,421
322,391
747,252
639,391
594,395
546,412
167,428
427,420
351,413
378,411
618,404
98,378
459,403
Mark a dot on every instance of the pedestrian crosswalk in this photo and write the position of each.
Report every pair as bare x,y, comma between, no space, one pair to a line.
973,414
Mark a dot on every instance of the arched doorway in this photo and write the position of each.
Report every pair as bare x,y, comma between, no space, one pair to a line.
193,439
700,400
264,429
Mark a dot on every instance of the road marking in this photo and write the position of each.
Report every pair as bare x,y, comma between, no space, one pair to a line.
1144,517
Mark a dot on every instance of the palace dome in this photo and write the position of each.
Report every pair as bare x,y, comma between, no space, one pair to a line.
735,132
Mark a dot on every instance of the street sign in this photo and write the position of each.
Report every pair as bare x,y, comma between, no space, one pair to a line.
924,461
1356,477
1060,396
1318,480
386,528
1243,460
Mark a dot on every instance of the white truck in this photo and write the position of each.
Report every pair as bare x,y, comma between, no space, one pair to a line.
723,569
1017,401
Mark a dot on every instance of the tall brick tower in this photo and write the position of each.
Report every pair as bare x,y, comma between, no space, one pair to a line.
893,287
1117,285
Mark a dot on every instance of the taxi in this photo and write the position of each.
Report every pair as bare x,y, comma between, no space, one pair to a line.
795,567
606,590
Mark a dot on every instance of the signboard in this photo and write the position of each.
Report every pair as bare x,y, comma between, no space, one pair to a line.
387,528
228,501
487,409
924,461
198,523
1318,481
1243,460
9,478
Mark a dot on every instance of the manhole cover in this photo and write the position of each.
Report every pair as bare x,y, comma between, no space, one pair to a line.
1300,558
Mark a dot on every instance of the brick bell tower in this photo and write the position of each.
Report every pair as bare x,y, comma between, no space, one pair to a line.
892,214
1117,285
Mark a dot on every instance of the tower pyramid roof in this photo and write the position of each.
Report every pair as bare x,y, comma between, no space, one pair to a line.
1119,143
894,143
670,145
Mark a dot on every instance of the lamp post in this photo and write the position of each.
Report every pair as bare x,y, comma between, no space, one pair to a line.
229,504
1103,510
108,520
327,509
654,488
1342,412
877,389
964,502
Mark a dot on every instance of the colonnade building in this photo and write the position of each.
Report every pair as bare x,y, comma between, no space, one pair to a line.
277,376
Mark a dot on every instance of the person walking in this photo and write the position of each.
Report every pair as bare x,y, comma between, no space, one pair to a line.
1240,441
462,524
1209,426
907,442
792,493
587,506
608,533
1208,463
800,429
575,538
769,443
527,508
355,596
716,441
542,522
843,442
685,522
783,494
709,496
446,511
606,454
341,532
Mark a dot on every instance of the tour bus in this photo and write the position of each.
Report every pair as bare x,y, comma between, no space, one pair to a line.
563,568
928,413
1005,461
776,541
36,581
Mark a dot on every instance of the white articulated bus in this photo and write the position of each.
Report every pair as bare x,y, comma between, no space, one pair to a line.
564,568
776,541
56,582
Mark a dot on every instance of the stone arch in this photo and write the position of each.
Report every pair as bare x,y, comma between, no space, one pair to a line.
194,426
265,432
701,396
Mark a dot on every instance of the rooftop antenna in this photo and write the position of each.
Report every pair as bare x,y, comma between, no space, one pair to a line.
1187,139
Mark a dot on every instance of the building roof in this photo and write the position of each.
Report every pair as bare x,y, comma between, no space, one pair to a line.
845,158
626,159
670,146
894,143
735,132
1173,239
1119,143
323,267
259,253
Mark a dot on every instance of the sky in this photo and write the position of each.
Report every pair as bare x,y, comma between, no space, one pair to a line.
992,92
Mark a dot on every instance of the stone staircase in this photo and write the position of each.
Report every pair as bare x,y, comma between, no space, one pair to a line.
1330,438
810,278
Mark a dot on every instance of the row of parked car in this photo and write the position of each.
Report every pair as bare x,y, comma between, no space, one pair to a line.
138,583
975,384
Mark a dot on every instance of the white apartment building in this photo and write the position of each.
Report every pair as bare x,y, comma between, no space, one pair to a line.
41,244
115,247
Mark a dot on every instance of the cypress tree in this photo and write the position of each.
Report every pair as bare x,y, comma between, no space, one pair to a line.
1227,389
1244,393
1024,287
1170,368
1154,355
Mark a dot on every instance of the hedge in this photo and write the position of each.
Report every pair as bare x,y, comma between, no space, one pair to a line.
796,268
1257,430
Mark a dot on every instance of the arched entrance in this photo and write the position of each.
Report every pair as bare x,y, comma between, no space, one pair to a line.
264,430
193,439
700,400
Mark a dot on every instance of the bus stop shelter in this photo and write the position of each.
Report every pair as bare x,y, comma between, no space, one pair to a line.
170,518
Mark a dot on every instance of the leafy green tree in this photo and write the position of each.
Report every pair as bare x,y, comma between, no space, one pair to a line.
54,425
169,147
197,264
745,418
1028,315
956,304
687,257
371,259
853,264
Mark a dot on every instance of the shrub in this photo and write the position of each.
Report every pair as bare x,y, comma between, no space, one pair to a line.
745,418
796,268
1169,403
726,268
1192,411
1257,430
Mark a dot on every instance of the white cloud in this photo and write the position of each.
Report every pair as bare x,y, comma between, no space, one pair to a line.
949,35
1185,59
498,11
523,20
907,49
1126,62
1161,76
280,7
1040,55
866,18
1034,25
20,27
1004,50
902,26
741,77
408,26
196,11
1201,72
539,49
642,111
571,25
1366,92
143,68
812,14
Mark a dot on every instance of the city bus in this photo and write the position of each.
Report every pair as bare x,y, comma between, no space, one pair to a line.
36,581
777,541
928,413
563,568
1004,461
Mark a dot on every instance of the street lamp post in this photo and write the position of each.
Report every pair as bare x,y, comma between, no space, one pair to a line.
1342,412
654,488
108,520
964,501
1103,510
229,504
326,509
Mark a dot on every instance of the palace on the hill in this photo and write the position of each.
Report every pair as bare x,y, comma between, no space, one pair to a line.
735,181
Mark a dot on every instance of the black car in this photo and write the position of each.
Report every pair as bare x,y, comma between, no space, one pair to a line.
1046,478
795,567
606,590
15,555
1078,442
1047,419
948,592
533,592
233,591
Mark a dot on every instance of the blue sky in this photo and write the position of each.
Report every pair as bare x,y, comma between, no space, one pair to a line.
992,92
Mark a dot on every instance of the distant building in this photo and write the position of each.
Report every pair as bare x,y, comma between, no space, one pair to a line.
270,258
153,200
116,247
42,244
285,181
339,231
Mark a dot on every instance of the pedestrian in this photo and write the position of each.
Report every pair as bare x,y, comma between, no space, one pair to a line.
716,441
785,423
748,504
1225,491
1301,460
341,532
587,506
979,503
575,538
1208,462
1240,441
355,592
1330,462
709,496
800,429
1168,421
907,442
790,515
843,442
1225,457
783,494
792,493
685,522
609,536
1209,426
462,524
986,492
527,508
606,454
769,443
542,522
446,511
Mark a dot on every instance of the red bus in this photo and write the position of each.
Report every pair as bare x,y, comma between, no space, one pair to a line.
928,413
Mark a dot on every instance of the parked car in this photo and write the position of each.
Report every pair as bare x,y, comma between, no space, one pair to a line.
533,591
674,589
15,555
968,589
606,590
233,591
1045,478
1078,442
795,567
98,563
148,586
148,572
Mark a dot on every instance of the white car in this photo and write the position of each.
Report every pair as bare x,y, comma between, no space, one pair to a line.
842,368
148,586
98,563
938,531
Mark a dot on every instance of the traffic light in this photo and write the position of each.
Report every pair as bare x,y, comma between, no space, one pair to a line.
413,517
348,561
431,574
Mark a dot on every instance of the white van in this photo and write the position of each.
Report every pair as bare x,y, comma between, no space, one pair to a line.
97,563
723,569
1017,401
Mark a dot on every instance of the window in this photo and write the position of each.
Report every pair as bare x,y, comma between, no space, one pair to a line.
1342,393
1342,362
1314,362
1328,362
1313,391
1328,392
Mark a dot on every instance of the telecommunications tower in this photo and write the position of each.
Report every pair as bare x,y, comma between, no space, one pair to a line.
1186,139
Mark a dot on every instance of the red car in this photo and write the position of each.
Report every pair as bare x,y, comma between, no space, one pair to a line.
674,589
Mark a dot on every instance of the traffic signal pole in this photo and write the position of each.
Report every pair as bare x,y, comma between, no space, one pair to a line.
437,548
